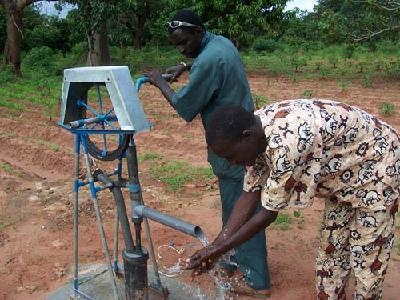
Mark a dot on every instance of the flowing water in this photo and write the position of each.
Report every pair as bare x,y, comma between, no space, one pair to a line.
222,285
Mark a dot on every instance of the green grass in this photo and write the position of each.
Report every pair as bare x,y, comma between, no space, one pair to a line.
283,221
39,89
6,167
260,101
177,173
387,109
307,94
2,226
12,105
325,62
149,156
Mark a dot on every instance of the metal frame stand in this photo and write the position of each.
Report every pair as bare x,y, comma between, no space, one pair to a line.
134,256
80,140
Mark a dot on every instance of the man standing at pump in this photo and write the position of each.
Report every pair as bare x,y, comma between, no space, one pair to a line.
217,78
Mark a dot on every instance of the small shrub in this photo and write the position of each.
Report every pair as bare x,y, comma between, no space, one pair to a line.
260,101
387,109
333,60
348,50
178,173
265,45
12,105
40,57
6,74
343,85
307,94
366,81
9,169
392,69
283,221
149,156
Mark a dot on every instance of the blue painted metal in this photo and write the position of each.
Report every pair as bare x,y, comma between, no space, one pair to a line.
134,188
140,81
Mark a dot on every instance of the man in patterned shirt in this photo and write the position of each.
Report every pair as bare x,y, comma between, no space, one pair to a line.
299,150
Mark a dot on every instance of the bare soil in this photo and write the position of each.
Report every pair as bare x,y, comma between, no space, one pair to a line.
36,159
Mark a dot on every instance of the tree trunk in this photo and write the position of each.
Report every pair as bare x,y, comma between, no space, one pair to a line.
12,49
122,52
137,40
99,54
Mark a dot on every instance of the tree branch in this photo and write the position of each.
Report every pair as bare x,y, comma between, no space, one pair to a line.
390,6
29,2
373,33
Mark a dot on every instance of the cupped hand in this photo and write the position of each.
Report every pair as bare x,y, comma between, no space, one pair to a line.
202,261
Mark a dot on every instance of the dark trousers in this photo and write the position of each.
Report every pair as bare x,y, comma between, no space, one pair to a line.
251,256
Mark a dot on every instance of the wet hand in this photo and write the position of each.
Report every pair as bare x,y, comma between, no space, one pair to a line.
155,77
202,261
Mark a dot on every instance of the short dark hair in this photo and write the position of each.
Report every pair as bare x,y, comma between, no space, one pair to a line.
188,16
227,123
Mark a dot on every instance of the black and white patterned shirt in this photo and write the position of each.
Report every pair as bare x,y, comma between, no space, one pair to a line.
322,148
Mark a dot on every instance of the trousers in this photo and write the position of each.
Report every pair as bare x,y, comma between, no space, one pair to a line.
354,239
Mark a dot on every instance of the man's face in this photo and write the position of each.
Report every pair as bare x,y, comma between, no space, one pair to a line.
186,41
243,152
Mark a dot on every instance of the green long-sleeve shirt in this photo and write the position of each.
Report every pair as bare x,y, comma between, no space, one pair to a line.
216,78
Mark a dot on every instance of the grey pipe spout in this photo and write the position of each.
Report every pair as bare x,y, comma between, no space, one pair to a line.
182,226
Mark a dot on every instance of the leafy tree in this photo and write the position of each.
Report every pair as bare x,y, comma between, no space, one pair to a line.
134,16
94,14
237,19
12,49
356,20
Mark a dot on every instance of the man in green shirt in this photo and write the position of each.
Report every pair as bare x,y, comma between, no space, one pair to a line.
217,78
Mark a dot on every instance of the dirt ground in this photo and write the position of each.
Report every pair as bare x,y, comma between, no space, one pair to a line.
36,195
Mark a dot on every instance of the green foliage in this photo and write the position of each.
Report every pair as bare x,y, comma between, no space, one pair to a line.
39,58
297,214
264,44
149,156
341,21
6,167
367,81
387,109
178,173
307,94
6,74
343,85
2,226
283,221
348,50
35,87
12,105
260,101
392,69
238,20
151,57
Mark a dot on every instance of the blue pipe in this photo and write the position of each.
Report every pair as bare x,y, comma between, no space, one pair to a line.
140,81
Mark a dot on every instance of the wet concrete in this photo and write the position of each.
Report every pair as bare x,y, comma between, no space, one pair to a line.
94,282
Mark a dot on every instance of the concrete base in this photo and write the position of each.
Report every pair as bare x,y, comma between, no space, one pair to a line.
94,282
